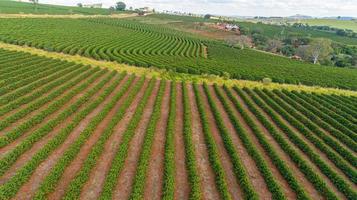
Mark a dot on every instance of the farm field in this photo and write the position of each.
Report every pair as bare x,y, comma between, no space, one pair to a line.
131,42
343,24
13,7
268,29
69,131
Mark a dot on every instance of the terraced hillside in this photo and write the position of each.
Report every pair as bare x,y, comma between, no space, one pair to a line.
69,131
128,41
14,7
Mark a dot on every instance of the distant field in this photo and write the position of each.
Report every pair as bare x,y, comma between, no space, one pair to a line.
12,7
69,131
134,43
342,24
268,30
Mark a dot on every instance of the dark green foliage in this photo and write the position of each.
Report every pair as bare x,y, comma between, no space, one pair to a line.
145,45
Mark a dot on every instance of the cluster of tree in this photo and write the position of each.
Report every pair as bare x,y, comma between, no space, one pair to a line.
314,50
338,31
119,6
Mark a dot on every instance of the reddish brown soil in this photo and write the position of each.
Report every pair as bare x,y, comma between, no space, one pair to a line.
294,169
123,188
94,185
287,190
43,169
26,156
29,92
321,154
154,180
21,107
12,145
233,186
255,177
36,112
71,170
207,177
182,188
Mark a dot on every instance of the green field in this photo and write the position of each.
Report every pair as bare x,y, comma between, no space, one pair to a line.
71,131
12,7
342,24
266,29
134,43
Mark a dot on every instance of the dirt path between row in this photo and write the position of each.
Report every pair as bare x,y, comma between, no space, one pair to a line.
93,187
71,170
233,186
275,171
310,189
13,144
27,155
322,129
207,177
56,87
154,178
182,188
33,113
30,187
126,177
253,172
321,154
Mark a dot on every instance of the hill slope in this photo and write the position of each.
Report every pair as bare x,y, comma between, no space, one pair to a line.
76,132
13,7
146,45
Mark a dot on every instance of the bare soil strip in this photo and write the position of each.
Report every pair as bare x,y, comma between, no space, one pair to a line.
21,107
71,170
154,179
208,186
12,145
318,151
182,188
321,154
33,113
26,156
123,188
30,187
94,185
289,193
254,174
295,170
233,186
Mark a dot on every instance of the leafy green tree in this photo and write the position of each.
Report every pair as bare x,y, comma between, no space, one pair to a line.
319,49
120,6
288,50
259,39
